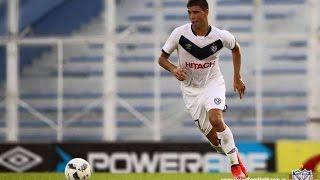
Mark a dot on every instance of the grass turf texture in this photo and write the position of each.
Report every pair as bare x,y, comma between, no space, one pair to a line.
141,176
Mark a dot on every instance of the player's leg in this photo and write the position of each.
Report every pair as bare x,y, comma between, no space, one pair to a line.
224,134
225,138
198,107
215,101
238,170
201,119
213,139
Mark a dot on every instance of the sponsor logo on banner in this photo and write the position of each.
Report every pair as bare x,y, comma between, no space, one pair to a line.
254,155
19,159
312,163
306,155
64,159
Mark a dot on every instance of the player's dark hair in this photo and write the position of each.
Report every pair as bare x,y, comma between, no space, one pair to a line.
203,4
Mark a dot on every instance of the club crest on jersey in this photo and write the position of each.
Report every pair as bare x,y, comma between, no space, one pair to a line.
188,46
213,48
217,101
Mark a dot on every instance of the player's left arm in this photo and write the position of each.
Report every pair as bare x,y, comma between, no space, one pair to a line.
238,84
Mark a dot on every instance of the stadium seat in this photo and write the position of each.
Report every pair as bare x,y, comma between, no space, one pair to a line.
289,57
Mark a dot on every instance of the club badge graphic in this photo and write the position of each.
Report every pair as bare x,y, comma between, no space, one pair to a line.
213,48
301,175
217,101
19,159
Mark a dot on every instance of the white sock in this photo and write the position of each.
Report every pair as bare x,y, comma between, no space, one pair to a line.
218,148
228,146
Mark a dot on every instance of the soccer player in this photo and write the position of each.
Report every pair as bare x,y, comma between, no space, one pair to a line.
198,46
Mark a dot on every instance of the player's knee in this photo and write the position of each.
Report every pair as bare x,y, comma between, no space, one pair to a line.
217,124
215,116
216,119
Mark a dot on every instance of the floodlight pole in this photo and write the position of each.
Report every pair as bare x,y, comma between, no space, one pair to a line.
109,73
258,24
313,67
12,92
60,127
212,12
157,72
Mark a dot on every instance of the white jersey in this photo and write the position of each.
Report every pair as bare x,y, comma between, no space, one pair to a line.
198,55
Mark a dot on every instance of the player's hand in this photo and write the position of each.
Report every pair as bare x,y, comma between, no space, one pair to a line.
180,74
238,85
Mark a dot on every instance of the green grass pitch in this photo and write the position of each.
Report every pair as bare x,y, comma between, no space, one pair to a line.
147,176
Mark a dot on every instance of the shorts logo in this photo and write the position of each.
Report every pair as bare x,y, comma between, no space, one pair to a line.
301,175
217,101
19,159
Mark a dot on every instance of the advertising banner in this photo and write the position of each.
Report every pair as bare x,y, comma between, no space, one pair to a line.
26,157
133,157
292,155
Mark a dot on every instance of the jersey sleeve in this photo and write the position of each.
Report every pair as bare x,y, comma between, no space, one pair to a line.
228,39
172,43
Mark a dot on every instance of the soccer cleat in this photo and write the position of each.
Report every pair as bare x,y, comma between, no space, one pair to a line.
237,172
243,168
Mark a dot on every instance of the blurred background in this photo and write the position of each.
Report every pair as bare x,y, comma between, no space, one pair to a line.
86,71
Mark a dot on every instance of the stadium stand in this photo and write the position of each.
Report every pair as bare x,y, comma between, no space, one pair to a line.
284,71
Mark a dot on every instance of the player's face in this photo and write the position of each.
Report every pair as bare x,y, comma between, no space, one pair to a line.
197,16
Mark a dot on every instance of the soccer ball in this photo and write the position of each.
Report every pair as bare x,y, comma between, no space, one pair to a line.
77,169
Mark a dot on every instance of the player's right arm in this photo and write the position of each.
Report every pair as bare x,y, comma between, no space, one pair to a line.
170,46
178,72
